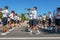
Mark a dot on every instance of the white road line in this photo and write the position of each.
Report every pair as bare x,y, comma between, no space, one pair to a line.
31,38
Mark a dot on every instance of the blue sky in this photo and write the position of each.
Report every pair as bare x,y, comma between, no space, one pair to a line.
19,5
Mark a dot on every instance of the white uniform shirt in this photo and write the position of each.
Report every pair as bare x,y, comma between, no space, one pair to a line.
40,18
33,15
44,17
11,16
50,16
30,16
9,19
5,12
58,17
20,19
16,18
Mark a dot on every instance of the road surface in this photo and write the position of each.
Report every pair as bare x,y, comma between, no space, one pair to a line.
20,32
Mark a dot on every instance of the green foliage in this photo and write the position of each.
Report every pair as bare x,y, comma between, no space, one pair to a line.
1,15
23,17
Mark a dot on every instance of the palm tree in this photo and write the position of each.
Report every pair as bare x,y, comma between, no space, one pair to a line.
1,15
23,17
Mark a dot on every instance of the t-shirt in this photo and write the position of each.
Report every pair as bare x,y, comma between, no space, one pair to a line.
11,16
50,16
40,18
9,19
16,18
33,15
5,12
58,15
30,16
44,17
20,19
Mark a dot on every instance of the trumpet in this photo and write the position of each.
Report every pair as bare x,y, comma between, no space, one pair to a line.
28,9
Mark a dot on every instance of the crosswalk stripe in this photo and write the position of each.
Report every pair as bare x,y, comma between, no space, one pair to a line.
31,38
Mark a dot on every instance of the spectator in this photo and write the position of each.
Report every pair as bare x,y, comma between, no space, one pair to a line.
57,19
11,22
49,18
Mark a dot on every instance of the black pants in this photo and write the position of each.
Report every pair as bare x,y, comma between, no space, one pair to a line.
57,22
49,22
43,22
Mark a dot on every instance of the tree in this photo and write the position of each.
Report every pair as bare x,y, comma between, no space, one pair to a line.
23,17
1,15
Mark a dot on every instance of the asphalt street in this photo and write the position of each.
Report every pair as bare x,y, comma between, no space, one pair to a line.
21,32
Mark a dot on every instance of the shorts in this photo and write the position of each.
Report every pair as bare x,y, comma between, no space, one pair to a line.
4,21
57,22
33,22
17,21
12,20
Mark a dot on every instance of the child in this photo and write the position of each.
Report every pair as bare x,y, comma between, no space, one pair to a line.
4,20
44,21
16,20
33,21
11,22
40,21
49,18
57,19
